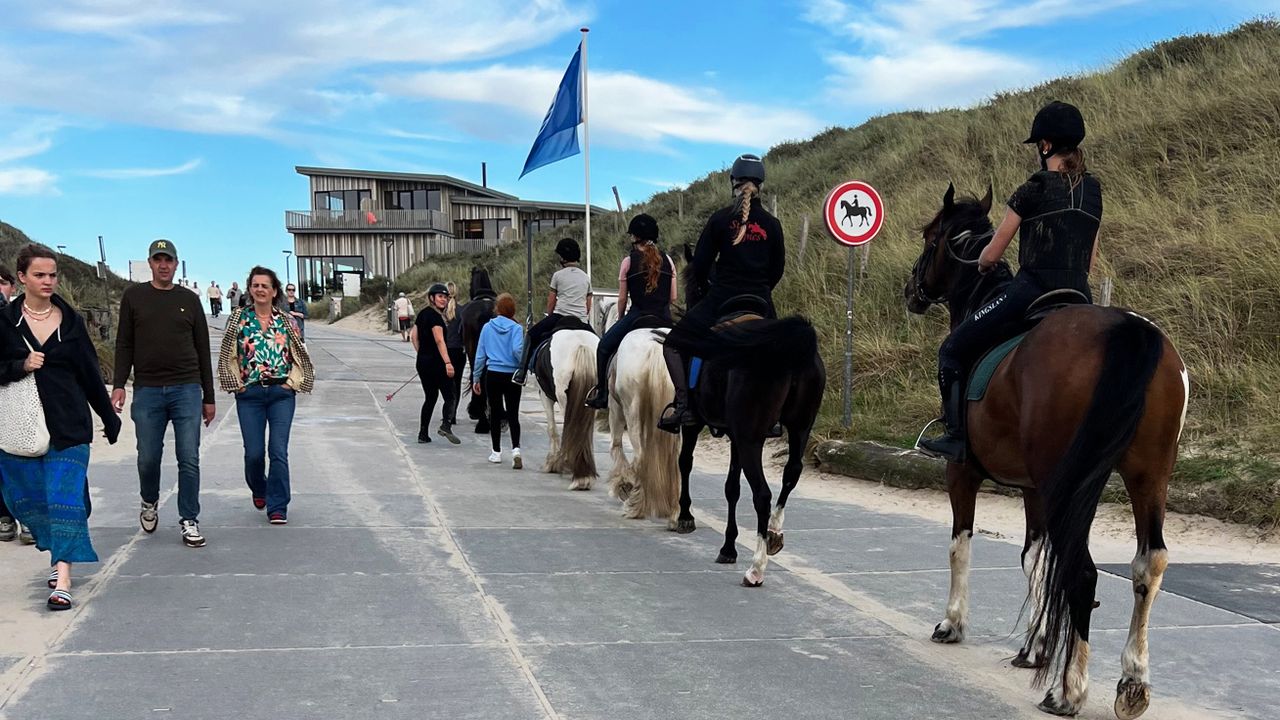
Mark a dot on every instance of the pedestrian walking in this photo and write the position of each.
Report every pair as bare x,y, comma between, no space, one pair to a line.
8,525
497,358
404,316
163,339
43,338
295,309
264,362
453,343
435,369
233,295
215,299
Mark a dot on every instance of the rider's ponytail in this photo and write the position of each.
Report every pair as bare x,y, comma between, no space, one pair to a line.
652,265
742,206
1073,167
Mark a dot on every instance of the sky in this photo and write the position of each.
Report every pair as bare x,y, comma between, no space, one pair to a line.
184,119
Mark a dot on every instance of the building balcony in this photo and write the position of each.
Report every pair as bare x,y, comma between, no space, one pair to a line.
370,221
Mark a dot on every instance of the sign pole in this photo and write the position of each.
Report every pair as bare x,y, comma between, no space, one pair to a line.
848,345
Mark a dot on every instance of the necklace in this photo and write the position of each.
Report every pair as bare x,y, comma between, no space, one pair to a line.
38,314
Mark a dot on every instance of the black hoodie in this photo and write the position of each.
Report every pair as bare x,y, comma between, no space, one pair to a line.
70,380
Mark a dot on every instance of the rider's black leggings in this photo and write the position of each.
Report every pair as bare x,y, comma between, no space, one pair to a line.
609,345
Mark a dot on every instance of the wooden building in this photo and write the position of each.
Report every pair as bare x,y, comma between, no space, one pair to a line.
363,223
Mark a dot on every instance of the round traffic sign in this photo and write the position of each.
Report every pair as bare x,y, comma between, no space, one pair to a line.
853,213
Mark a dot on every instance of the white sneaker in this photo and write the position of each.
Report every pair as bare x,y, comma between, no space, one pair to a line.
191,536
495,456
148,517
516,462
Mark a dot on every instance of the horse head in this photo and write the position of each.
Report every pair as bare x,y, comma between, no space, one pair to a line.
953,240
480,284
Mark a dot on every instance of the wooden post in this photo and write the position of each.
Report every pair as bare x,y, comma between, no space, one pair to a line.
773,203
680,205
804,238
1107,287
866,251
618,200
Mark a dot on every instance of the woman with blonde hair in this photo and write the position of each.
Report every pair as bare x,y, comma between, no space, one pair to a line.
457,350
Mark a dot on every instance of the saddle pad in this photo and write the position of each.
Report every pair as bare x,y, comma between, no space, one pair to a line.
986,367
695,367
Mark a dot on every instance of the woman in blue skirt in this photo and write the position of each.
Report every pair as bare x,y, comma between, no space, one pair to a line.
41,335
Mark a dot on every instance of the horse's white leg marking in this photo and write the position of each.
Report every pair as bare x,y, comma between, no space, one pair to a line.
775,520
1134,691
755,573
954,624
1186,399
1071,688
1033,568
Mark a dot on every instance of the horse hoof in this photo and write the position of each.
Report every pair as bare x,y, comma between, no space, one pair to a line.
748,582
946,634
1027,661
1053,706
1132,699
726,559
773,542
684,527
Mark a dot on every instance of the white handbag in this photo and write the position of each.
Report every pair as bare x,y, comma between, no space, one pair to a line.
23,431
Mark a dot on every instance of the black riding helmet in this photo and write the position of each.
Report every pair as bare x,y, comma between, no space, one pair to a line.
643,227
437,289
1060,123
747,167
568,250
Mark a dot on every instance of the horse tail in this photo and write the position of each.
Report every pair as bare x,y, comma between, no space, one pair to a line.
788,344
656,470
1133,351
577,451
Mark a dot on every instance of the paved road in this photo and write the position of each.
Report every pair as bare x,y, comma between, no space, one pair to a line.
420,581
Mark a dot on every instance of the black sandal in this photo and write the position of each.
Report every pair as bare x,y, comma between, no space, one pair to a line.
59,600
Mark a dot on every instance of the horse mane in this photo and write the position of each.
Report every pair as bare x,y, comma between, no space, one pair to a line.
972,289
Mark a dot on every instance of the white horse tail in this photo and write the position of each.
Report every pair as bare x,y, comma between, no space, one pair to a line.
577,447
656,470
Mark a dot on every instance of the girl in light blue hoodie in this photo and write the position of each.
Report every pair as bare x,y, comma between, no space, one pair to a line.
497,358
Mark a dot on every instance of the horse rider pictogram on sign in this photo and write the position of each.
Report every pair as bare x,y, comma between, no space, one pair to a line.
853,213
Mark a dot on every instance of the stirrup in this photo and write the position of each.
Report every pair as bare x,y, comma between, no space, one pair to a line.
944,447
597,400
672,421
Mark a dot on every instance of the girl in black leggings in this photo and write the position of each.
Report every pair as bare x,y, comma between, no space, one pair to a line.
497,358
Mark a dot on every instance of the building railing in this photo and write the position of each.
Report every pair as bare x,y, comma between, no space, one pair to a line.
366,220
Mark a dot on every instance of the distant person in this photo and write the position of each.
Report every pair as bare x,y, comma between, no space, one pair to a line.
48,492
453,343
435,368
215,299
295,308
233,295
404,316
163,339
497,358
8,525
570,296
1056,213
264,362
646,277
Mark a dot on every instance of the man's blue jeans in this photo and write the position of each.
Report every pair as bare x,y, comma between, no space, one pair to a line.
152,410
260,407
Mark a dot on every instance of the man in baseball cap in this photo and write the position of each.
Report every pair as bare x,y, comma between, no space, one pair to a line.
164,340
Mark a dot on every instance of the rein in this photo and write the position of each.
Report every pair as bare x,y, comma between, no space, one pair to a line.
966,240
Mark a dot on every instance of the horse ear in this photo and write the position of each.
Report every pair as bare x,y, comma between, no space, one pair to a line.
688,253
986,199
949,199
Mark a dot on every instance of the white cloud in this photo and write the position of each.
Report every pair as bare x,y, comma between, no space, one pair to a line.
136,173
927,53
33,137
623,106
27,181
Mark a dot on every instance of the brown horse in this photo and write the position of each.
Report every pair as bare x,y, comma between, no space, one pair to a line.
1090,389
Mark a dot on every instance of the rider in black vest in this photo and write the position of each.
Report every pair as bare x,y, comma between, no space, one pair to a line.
743,245
647,278
1056,214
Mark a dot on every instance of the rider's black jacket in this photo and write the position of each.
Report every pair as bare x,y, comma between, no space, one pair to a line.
1059,223
754,265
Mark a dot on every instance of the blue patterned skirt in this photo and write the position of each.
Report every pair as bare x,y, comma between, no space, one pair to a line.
47,494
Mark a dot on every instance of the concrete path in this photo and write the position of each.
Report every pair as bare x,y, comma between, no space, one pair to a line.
420,581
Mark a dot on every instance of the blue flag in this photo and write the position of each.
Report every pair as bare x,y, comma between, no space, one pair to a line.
558,138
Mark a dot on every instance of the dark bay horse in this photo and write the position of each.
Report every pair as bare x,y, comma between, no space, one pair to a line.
754,373
477,311
1089,390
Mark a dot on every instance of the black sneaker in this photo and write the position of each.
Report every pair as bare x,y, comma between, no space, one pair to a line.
191,536
148,517
8,529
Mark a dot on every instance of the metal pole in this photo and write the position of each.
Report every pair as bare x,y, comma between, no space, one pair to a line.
586,150
848,346
528,268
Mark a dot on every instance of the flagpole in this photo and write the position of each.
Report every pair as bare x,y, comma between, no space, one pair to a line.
586,148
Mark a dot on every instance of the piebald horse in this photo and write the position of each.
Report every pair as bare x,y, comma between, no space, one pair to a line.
1090,389
566,371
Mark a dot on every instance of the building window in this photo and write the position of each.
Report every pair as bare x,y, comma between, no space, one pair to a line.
321,275
538,226
341,200
414,200
481,229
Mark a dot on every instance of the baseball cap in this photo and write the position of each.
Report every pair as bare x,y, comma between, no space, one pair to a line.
162,247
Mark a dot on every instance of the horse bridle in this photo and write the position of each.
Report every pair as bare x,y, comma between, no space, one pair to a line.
967,239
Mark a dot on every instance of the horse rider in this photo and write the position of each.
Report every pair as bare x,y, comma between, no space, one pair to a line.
646,277
570,296
741,247
1056,214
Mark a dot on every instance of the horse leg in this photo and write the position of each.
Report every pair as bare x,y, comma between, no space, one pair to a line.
752,466
1032,653
796,442
621,483
552,463
732,489
962,489
1133,693
684,523
1071,687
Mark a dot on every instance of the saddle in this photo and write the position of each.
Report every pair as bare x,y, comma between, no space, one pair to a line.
542,353
981,373
734,311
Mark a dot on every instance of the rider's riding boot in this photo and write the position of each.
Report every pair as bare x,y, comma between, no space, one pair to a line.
518,377
677,413
952,445
599,398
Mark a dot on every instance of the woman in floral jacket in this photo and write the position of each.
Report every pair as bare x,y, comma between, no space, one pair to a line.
264,362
